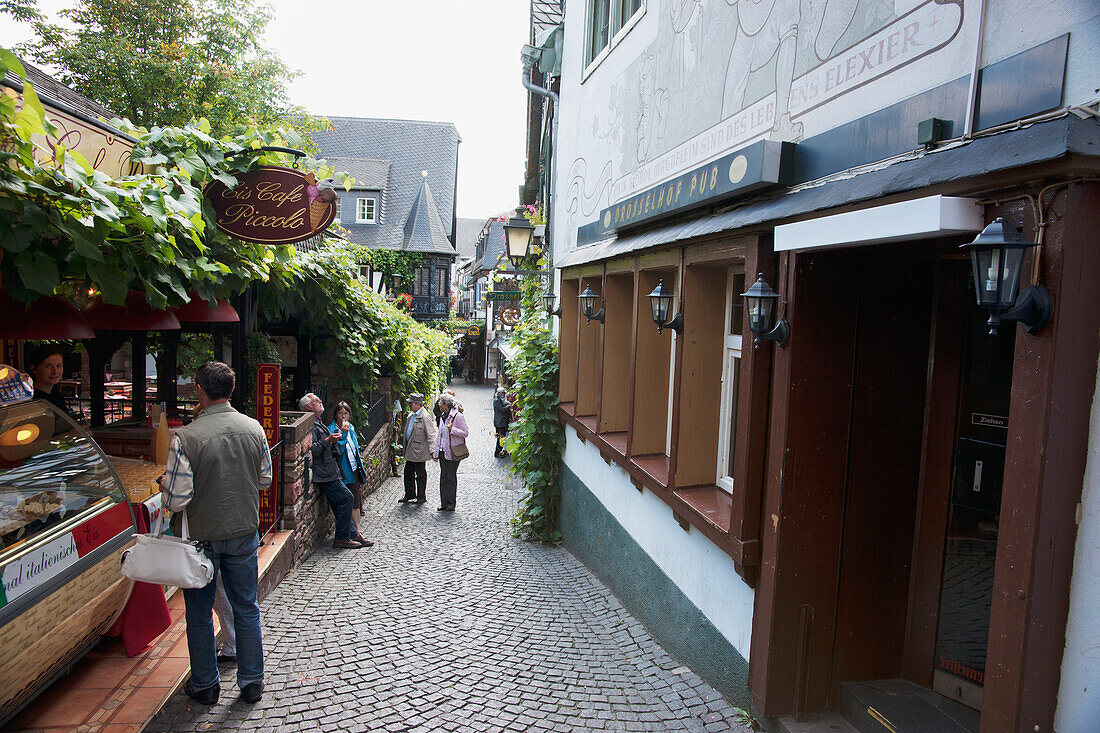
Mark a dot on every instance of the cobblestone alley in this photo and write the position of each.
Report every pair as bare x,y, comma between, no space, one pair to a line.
448,623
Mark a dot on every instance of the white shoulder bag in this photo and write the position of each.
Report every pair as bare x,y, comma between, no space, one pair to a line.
174,561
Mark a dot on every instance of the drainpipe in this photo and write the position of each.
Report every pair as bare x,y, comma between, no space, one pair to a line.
530,56
972,99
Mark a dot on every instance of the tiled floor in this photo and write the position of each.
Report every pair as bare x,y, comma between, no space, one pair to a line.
108,692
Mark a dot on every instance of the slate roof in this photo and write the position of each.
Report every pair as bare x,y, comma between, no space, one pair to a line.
493,248
545,14
423,230
466,234
51,89
409,147
369,174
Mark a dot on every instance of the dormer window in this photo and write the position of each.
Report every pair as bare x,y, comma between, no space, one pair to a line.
366,210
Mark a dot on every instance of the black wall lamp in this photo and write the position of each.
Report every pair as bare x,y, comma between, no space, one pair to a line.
549,300
519,232
588,306
760,300
997,256
660,300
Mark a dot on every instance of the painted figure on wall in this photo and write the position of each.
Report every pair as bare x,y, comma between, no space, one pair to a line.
768,29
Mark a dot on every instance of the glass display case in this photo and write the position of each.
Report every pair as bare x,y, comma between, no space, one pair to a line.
64,522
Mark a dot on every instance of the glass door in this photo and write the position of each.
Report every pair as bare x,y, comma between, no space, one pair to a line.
970,552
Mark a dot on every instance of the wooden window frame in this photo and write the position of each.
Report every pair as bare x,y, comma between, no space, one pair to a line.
739,537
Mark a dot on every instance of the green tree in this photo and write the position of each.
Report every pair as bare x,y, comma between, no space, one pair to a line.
166,62
25,10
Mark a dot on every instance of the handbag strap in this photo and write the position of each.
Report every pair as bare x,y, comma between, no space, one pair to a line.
158,525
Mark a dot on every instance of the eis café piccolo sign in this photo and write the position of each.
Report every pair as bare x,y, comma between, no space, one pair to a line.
273,205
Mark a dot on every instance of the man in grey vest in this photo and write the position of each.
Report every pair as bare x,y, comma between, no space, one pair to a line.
216,469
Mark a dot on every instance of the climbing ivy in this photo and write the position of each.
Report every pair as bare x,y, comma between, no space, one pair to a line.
536,441
370,337
394,262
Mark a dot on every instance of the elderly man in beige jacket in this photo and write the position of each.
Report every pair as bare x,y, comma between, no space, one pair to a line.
420,434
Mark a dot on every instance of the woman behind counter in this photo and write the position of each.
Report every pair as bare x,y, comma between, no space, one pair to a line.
351,463
46,367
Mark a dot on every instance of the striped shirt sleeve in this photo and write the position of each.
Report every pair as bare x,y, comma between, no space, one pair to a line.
178,486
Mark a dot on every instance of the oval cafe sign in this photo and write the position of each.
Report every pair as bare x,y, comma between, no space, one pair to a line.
272,205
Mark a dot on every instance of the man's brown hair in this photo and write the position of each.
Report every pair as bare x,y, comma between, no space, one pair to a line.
216,379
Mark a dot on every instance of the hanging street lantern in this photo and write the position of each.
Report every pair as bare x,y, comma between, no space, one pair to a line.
660,301
997,258
519,232
588,306
760,302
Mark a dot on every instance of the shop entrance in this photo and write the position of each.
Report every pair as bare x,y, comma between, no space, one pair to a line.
936,557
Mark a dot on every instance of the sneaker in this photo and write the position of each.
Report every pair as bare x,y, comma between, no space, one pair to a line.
253,692
209,696
406,500
346,544
227,658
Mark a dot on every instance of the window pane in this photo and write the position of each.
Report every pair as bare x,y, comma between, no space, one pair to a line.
600,28
737,305
337,207
735,380
420,286
370,210
441,282
627,8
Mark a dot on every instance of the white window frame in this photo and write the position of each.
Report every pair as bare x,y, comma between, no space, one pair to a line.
336,219
731,378
361,207
618,28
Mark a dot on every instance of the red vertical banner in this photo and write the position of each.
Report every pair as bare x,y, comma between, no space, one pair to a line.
10,350
268,377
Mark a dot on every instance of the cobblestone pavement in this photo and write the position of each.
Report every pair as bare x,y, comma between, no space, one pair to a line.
450,624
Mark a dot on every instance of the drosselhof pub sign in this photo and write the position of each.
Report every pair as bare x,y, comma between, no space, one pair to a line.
763,164
272,205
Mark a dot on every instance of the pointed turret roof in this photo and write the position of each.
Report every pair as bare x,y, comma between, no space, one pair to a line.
424,231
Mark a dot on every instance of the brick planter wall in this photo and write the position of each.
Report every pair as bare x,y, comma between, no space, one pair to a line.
376,459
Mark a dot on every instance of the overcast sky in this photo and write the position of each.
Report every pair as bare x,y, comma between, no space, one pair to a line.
442,60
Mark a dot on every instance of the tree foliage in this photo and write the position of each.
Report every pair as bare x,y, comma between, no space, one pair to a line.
167,62
536,441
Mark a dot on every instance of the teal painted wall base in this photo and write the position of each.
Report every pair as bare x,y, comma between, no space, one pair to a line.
597,539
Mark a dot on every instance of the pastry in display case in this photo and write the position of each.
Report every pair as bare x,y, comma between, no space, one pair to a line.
64,522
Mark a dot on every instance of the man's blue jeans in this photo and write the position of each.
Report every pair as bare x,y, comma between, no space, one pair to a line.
236,560
341,499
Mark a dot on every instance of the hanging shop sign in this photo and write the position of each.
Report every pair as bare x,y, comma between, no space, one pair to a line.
503,295
272,205
762,165
473,331
268,377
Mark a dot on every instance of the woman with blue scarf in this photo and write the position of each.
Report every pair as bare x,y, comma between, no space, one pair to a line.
347,454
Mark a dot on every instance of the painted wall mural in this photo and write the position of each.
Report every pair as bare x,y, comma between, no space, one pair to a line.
719,74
